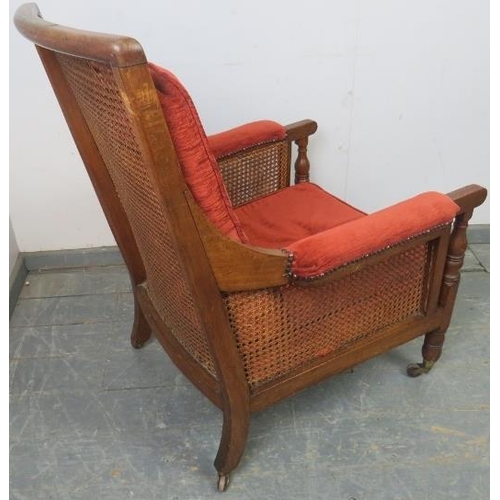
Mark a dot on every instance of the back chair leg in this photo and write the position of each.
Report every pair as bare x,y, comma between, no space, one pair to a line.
232,444
141,331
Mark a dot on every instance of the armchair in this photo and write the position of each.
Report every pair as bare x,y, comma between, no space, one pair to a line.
256,289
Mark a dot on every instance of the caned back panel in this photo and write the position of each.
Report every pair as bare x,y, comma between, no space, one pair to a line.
256,171
100,100
280,329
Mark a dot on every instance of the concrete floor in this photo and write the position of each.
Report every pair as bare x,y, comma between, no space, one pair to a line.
92,418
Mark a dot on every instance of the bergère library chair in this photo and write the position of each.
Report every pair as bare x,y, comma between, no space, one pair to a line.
256,288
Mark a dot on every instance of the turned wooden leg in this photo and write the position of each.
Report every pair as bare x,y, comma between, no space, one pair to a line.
232,444
141,331
431,352
433,343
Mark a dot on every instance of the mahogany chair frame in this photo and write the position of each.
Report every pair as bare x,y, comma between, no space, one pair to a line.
221,264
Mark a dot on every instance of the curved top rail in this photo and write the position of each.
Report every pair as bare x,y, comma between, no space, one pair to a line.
116,50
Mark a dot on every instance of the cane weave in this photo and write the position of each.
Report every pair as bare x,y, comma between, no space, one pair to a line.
256,171
280,329
99,98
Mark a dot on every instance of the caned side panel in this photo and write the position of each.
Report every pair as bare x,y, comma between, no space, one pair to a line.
256,172
280,329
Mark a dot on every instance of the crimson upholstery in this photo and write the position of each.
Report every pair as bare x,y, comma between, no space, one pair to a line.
345,243
245,136
291,214
324,233
197,162
319,230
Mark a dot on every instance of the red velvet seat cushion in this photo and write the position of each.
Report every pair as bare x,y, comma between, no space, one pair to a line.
197,162
291,214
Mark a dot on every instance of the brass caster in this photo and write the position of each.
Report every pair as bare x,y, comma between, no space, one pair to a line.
416,369
223,482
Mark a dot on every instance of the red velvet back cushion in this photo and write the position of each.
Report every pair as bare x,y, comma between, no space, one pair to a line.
198,164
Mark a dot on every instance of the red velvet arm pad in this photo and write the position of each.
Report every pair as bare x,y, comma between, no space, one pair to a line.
245,136
331,249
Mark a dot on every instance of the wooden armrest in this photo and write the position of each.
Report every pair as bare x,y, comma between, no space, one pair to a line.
300,130
468,197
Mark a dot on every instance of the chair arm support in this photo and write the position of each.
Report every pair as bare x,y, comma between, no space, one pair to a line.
299,133
467,198
322,253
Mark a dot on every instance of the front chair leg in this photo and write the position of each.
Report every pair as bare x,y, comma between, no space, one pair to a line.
431,352
433,343
141,331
